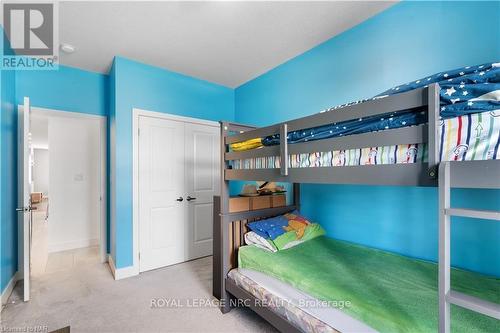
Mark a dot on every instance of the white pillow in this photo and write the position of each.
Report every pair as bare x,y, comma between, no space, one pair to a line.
251,238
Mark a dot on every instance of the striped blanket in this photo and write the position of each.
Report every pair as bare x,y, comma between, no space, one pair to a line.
468,137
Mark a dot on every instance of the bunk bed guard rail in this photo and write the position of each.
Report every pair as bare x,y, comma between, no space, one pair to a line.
412,100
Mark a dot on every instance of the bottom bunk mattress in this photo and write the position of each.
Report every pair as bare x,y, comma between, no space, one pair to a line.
469,137
388,292
302,310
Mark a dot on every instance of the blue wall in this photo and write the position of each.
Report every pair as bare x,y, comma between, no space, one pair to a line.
407,41
66,89
8,176
151,88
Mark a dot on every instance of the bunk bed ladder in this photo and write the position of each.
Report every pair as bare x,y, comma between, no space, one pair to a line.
447,296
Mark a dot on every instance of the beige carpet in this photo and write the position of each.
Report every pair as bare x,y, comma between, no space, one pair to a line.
87,298
40,238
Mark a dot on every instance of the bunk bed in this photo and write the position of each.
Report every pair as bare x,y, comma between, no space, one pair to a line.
307,150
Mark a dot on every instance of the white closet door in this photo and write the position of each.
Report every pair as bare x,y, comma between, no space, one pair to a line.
202,183
161,185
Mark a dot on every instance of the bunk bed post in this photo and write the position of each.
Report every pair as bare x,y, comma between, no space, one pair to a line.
224,186
296,195
217,270
444,247
284,149
433,102
223,210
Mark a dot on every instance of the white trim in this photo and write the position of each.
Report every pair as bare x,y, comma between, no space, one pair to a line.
121,273
135,185
71,245
9,288
111,265
154,114
136,113
37,111
103,230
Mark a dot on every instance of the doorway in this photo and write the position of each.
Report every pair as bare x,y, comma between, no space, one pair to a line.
176,175
67,181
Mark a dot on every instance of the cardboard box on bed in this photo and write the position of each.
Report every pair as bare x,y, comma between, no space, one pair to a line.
278,200
243,204
260,202
239,204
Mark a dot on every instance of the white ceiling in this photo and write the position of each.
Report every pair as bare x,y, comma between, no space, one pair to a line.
228,43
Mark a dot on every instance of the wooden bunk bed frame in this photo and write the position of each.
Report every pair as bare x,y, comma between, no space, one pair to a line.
229,228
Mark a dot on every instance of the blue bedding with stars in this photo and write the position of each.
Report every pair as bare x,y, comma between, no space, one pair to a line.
467,90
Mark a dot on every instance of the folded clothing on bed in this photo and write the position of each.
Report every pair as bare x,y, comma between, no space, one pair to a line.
467,90
388,292
282,231
246,145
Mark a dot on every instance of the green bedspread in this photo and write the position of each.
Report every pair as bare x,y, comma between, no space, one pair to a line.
388,292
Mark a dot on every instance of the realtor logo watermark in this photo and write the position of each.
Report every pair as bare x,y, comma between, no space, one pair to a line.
31,36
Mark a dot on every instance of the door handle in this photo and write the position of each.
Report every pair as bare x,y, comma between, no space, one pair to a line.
180,199
24,209
189,198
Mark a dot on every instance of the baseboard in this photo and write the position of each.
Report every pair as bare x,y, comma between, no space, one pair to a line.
71,245
111,265
9,288
121,273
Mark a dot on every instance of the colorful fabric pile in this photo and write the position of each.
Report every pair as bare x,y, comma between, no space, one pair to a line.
282,232
466,138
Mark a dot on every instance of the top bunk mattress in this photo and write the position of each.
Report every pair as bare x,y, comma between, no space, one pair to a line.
464,91
388,292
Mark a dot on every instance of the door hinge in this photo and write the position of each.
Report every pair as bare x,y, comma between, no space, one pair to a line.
138,131
139,256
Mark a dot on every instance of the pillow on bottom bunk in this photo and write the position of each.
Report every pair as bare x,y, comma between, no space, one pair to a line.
252,238
282,232
269,228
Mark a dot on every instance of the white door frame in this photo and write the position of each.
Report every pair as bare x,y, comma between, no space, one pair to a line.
136,114
103,174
